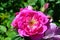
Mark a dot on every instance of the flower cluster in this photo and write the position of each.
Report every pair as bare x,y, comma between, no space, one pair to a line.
34,24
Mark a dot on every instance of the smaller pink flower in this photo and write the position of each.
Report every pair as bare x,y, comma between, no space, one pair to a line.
30,23
46,5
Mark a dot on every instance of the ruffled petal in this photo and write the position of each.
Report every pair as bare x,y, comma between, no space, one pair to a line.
37,37
22,33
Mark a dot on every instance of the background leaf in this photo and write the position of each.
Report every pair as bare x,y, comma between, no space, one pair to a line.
32,2
42,2
2,28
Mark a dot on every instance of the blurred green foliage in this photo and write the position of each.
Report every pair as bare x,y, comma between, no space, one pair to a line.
9,7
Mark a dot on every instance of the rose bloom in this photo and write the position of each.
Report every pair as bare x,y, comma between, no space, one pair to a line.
30,23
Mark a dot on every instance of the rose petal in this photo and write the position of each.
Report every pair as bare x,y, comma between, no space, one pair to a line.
36,37
57,31
21,33
57,36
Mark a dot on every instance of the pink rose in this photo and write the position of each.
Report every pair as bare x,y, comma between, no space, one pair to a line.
30,23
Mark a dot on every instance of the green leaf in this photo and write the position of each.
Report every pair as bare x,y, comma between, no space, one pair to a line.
58,2
3,4
1,37
9,22
42,2
25,4
51,0
17,38
8,38
58,24
50,12
11,11
1,8
2,28
10,33
32,2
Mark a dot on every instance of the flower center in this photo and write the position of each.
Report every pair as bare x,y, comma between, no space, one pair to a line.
32,22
